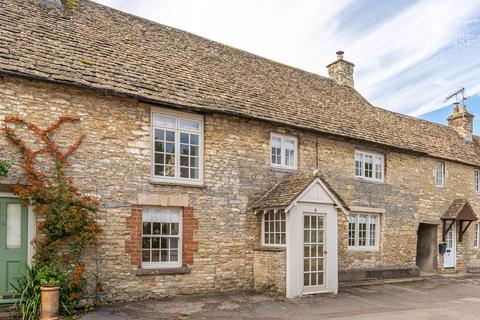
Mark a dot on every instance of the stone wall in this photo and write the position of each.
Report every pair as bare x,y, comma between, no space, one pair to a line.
114,164
269,270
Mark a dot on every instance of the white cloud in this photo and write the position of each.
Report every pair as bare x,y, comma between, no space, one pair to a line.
406,62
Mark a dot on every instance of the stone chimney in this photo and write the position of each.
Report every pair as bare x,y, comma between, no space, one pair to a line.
341,70
462,121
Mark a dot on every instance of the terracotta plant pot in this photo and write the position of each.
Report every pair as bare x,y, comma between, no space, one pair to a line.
50,300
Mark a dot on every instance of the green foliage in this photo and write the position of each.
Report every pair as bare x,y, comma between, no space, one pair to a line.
5,166
28,289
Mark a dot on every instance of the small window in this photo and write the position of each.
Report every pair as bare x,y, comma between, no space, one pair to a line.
283,151
369,166
477,180
177,147
476,236
274,228
440,175
161,237
363,231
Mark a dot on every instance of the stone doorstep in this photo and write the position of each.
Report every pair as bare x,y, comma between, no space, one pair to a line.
8,311
361,283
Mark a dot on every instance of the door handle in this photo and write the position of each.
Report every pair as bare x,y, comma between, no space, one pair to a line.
324,252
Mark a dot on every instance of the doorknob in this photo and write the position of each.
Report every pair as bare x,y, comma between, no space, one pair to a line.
324,252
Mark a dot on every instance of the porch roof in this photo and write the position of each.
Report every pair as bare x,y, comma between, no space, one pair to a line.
289,188
460,209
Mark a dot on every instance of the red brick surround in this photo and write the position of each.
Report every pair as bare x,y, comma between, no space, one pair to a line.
133,245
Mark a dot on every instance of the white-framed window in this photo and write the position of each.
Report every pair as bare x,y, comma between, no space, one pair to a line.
177,147
274,228
477,180
440,175
476,235
369,166
363,231
161,237
283,151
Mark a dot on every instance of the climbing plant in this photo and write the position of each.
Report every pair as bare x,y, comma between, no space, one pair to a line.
5,166
67,219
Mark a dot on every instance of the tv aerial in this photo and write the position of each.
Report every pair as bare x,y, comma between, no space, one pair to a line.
459,93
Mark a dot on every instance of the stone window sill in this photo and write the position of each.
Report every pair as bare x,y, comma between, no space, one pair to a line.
269,249
284,169
176,184
166,271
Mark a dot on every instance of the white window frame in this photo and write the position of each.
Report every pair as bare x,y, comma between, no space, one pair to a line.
375,156
438,183
165,264
178,115
367,247
476,180
263,230
282,138
476,235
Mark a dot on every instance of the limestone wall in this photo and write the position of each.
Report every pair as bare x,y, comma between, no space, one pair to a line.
114,164
269,270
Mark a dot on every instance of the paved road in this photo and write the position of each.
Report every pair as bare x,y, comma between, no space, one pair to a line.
439,298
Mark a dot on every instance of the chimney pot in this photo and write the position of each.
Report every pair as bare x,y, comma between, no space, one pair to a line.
455,107
340,55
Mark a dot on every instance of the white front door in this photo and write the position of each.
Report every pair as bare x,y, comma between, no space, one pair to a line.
314,252
449,259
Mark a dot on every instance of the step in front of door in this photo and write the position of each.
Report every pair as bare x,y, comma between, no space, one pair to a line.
8,312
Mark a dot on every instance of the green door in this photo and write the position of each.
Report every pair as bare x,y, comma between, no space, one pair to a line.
13,244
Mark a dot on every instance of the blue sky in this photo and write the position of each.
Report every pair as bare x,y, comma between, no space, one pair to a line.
408,54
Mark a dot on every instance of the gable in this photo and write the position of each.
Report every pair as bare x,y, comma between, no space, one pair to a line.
316,193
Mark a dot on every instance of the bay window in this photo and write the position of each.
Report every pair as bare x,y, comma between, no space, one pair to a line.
177,147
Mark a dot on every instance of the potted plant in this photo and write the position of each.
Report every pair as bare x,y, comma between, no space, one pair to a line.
50,280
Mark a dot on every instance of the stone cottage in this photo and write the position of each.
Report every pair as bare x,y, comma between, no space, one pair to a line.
220,170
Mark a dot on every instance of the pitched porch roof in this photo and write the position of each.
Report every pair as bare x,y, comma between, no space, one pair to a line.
289,188
461,210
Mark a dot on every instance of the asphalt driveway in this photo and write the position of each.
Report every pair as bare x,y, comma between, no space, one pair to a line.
443,297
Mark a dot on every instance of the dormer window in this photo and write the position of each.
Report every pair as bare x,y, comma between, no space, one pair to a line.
369,166
283,151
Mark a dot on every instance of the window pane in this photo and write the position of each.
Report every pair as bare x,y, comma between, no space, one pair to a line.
173,255
190,124
362,230
175,228
155,255
194,173
373,230
156,243
194,139
147,228
358,164
159,134
368,166
352,220
145,255
164,121
184,172
14,226
159,170
184,137
146,243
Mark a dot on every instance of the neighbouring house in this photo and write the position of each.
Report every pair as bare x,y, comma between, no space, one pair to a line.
220,170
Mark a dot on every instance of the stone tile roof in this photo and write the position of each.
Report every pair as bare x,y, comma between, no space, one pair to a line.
102,48
460,209
289,188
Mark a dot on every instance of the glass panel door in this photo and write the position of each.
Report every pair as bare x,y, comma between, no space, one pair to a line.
313,252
